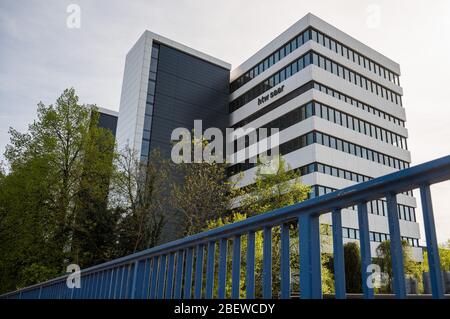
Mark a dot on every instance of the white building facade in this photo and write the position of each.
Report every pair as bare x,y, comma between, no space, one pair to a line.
336,102
339,112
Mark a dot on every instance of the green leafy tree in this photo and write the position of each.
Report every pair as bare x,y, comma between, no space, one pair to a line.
352,259
444,256
53,203
202,195
141,194
384,259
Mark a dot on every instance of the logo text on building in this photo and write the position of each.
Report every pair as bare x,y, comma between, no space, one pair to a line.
266,97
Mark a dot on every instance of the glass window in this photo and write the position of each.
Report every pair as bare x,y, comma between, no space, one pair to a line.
153,65
145,147
282,53
320,38
314,35
334,68
339,145
300,40
151,87
333,45
320,168
332,142
326,140
352,149
322,62
328,65
293,44
294,67
319,138
282,75
346,147
334,172
287,48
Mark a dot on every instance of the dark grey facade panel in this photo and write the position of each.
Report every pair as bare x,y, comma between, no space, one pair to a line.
193,69
187,89
108,122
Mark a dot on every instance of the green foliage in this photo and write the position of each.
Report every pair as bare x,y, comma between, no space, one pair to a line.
272,191
233,218
141,194
384,259
203,194
352,268
444,257
53,199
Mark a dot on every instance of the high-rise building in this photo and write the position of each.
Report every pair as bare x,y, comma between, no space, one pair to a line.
339,111
108,119
336,102
168,85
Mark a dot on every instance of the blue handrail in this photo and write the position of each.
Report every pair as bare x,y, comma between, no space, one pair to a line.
175,269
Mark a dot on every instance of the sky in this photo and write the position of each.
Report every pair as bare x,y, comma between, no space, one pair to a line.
40,55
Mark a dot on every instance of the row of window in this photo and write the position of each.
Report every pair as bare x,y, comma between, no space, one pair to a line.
358,104
358,125
354,56
315,85
359,151
333,171
279,54
271,81
375,207
145,149
319,37
355,78
335,116
328,141
353,233
322,62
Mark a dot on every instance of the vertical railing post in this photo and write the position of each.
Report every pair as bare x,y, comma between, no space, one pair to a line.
170,272
366,256
437,288
179,275
250,271
154,277
338,255
236,268
199,272
135,273
396,247
161,277
285,263
222,276
210,270
188,274
310,258
267,263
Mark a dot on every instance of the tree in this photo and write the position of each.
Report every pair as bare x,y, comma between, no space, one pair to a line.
94,224
384,259
272,191
352,257
53,198
203,194
280,188
444,257
141,195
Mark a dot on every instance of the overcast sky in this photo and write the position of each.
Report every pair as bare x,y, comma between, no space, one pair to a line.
40,56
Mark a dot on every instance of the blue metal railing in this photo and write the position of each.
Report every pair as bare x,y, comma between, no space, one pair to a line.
177,269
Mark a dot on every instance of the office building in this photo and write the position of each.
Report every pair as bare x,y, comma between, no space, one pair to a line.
336,102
